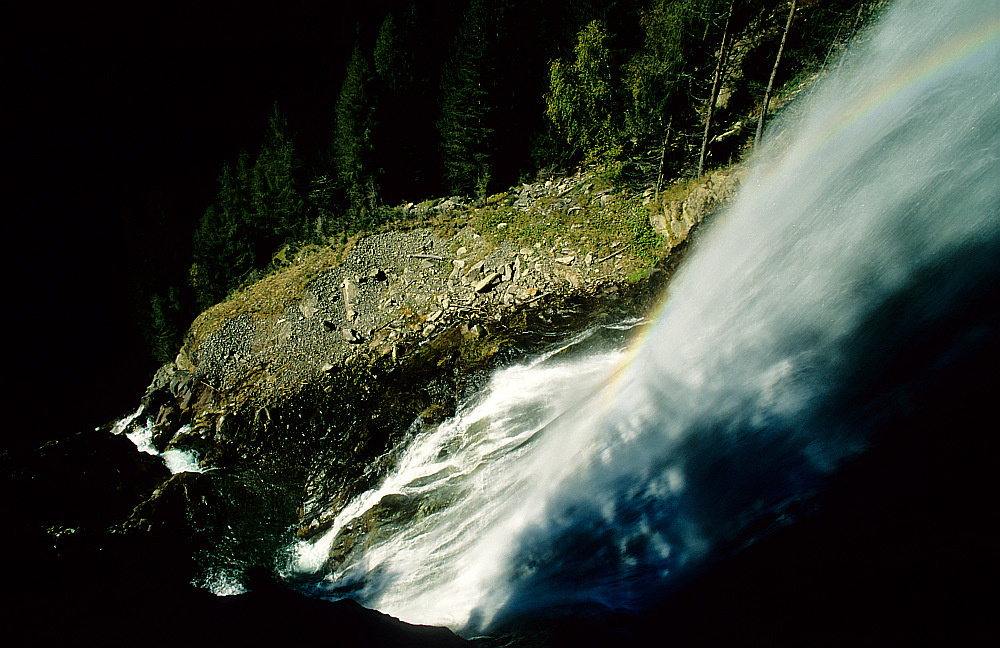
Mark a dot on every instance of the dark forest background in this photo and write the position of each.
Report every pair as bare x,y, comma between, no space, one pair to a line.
157,156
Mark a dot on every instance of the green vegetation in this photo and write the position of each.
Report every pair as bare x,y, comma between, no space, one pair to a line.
471,97
581,102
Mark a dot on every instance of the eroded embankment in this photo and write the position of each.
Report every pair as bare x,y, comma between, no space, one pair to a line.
298,387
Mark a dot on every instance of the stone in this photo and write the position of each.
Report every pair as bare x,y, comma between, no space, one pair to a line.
484,284
436,412
349,335
183,362
565,260
350,288
462,251
284,331
658,222
308,305
475,272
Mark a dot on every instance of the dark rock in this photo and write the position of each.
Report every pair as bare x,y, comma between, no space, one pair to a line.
437,412
88,480
180,501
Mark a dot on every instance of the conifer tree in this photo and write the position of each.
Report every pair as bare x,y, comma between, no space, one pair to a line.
278,207
465,132
399,151
353,136
223,251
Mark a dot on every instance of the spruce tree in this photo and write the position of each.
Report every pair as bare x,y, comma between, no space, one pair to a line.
465,133
353,141
223,244
277,204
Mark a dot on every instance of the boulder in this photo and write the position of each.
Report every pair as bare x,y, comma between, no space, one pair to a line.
486,282
308,305
350,287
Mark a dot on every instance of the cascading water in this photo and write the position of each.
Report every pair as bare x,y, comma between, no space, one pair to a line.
598,479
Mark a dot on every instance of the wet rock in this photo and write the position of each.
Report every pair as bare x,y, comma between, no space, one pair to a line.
174,505
437,412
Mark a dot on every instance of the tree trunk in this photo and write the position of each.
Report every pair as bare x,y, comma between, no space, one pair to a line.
774,73
716,85
663,156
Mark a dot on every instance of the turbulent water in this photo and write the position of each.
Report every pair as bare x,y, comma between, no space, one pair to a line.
600,473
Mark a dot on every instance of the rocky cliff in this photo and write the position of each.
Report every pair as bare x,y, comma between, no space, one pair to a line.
292,393
432,298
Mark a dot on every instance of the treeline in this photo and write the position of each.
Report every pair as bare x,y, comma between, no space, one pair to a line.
471,97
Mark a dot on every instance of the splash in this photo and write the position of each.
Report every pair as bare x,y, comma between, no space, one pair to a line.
870,216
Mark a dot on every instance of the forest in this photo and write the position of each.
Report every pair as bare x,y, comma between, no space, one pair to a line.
473,97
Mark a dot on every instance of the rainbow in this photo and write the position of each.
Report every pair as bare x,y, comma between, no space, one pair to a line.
963,46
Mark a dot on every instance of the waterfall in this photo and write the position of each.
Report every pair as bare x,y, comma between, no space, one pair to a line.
597,476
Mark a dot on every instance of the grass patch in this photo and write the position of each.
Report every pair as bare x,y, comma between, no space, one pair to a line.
270,296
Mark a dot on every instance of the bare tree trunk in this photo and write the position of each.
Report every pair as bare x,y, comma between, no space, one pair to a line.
663,156
774,73
854,30
716,85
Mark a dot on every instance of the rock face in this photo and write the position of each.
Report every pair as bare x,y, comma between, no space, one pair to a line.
296,408
674,218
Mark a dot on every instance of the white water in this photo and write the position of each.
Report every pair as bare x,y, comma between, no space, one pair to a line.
871,212
141,434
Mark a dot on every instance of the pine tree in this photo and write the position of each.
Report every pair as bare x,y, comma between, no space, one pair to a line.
353,136
223,248
164,333
277,204
399,153
465,133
